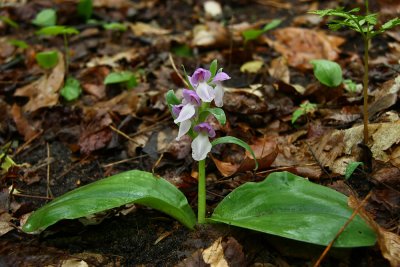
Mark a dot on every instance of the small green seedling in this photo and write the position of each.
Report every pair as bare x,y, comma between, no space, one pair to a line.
71,90
352,87
327,72
18,43
47,59
85,9
6,163
9,22
59,30
46,17
366,26
304,109
351,167
115,26
250,35
127,78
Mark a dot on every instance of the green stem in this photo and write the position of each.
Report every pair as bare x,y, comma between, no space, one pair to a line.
201,206
365,90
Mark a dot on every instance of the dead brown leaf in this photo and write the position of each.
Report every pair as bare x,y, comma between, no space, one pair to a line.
25,128
44,91
95,133
264,150
140,29
211,34
301,45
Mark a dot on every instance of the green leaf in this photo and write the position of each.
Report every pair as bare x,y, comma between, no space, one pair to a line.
47,59
218,113
18,43
171,98
119,77
351,167
237,141
252,34
213,68
127,187
391,24
85,9
46,17
115,26
297,114
327,72
272,25
290,206
6,163
9,22
57,30
71,90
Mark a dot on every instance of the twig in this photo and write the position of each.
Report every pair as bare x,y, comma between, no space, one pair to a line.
31,196
355,212
122,161
317,161
24,145
176,70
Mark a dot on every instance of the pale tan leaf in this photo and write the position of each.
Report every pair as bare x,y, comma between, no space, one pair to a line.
140,29
252,66
214,255
44,92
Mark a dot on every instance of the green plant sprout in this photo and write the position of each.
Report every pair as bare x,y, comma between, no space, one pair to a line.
366,26
18,43
252,34
71,90
304,109
352,87
127,78
283,204
115,26
351,167
46,17
327,72
56,30
47,59
9,22
85,9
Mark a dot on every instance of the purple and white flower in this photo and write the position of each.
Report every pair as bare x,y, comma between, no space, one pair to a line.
201,145
219,90
199,81
185,111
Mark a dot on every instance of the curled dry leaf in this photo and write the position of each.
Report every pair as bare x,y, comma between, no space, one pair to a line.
300,46
265,150
24,127
279,69
112,61
44,92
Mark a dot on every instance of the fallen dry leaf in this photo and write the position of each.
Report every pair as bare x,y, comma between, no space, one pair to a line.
301,45
44,91
211,34
214,255
140,29
265,150
24,127
279,69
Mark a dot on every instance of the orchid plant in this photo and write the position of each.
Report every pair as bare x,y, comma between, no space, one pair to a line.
191,114
283,204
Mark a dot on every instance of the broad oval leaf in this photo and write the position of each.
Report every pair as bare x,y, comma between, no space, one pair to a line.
47,59
237,141
85,9
327,72
46,17
290,206
127,187
71,90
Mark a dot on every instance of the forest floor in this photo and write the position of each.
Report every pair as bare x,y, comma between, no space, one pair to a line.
60,145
